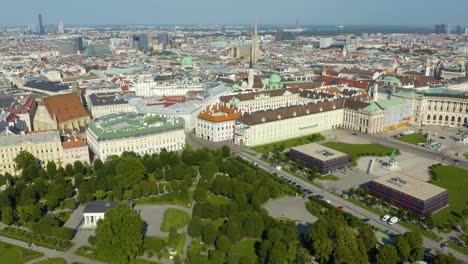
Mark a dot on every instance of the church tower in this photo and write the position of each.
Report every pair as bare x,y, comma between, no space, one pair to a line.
255,46
428,71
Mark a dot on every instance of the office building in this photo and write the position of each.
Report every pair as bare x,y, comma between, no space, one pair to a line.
52,29
140,133
75,149
163,38
98,50
140,42
41,25
102,104
325,43
325,159
60,28
409,193
67,48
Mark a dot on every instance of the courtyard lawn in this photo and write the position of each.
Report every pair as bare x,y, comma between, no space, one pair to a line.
289,143
12,254
466,155
329,177
245,248
52,261
174,218
360,150
455,180
414,138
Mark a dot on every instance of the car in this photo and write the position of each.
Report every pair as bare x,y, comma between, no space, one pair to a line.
354,134
444,245
365,219
393,220
340,207
319,196
385,218
328,201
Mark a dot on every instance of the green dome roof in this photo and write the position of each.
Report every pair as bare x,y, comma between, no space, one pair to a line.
274,78
391,79
235,87
187,61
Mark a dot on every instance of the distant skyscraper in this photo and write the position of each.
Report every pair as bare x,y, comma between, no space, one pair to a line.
163,38
255,47
60,28
298,23
140,42
460,30
223,29
41,25
442,29
279,35
437,29
52,29
67,48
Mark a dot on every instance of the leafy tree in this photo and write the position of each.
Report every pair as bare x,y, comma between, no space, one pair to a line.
209,233
51,169
119,235
69,171
194,227
223,243
226,151
323,248
97,165
234,231
78,167
100,194
7,215
415,242
24,159
446,259
217,256
366,234
130,171
388,255
173,237
404,249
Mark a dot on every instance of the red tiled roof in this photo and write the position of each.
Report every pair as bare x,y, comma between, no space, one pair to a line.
64,107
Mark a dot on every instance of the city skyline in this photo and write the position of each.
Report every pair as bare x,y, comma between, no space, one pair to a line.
242,12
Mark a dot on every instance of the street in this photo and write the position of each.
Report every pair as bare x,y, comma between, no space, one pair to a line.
353,209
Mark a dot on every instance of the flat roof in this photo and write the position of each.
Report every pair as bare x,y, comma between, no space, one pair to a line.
319,152
410,186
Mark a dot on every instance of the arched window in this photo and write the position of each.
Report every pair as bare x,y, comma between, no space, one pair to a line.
428,117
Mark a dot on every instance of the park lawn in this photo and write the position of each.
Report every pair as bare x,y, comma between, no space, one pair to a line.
289,143
414,138
217,200
360,150
12,254
168,198
52,261
455,180
245,248
174,218
466,155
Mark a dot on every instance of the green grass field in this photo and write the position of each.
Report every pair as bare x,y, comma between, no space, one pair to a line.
455,180
174,218
466,155
52,261
329,177
289,143
360,150
245,248
415,138
216,199
12,254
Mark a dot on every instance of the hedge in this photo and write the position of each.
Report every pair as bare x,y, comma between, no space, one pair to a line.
36,238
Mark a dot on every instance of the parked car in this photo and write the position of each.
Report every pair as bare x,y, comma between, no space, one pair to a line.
444,245
385,218
393,220
365,219
340,207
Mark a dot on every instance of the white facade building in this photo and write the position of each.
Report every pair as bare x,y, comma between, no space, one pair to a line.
139,133
102,104
265,127
148,86
216,123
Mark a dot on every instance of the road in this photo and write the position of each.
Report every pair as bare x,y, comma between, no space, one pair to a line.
352,208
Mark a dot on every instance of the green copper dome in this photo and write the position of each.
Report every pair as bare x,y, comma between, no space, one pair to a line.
391,79
274,78
235,88
187,61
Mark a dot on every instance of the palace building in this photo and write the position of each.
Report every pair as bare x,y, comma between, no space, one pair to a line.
139,133
216,123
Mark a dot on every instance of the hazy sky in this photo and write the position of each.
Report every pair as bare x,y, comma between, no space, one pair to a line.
417,12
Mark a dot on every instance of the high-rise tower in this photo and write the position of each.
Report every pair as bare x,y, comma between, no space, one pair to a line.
41,25
255,47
